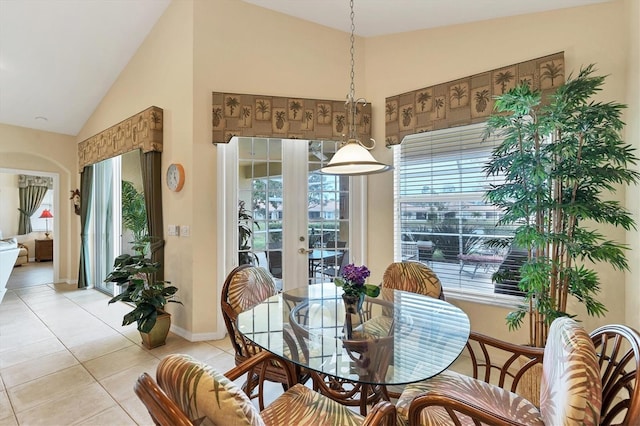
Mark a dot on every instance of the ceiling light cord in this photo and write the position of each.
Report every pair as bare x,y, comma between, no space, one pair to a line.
352,102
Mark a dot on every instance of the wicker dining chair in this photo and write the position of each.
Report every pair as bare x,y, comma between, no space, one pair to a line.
188,392
618,350
245,287
571,389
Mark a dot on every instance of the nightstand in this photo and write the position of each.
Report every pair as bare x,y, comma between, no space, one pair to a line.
44,250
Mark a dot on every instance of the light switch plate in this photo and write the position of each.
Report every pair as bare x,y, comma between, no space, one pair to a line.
185,231
173,230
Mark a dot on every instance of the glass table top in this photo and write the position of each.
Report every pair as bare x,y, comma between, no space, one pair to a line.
399,338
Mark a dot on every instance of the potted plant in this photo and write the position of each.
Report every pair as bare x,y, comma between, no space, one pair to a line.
134,212
245,222
559,160
137,274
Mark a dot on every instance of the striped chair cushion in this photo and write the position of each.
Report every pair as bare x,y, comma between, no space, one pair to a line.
302,406
204,395
571,389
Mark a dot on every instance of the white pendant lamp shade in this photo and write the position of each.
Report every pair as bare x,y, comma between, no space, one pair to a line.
354,159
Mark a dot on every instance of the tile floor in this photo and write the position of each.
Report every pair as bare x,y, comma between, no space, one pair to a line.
66,360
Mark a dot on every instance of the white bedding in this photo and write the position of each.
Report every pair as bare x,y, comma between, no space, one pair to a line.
8,254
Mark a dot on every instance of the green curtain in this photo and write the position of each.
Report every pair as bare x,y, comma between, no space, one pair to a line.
30,199
151,177
86,188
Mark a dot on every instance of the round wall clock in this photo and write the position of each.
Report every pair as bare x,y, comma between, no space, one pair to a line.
175,177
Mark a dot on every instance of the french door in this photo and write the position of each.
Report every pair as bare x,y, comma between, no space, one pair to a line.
105,223
282,214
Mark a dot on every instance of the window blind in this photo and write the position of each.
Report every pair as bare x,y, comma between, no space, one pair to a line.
440,215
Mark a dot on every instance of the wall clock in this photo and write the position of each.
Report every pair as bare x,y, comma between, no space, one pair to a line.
175,177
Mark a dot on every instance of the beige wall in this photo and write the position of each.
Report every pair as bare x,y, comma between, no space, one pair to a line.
403,62
26,149
161,74
632,118
200,46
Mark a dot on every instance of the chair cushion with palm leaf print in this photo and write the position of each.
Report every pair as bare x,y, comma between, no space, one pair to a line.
293,408
501,402
249,287
415,277
209,398
571,390
204,395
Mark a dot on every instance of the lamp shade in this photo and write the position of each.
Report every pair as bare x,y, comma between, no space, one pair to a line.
46,214
354,159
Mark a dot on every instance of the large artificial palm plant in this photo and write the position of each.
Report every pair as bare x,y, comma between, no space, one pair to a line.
560,161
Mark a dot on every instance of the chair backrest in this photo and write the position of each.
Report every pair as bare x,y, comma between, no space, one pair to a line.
203,394
162,409
618,350
570,389
274,258
245,287
415,277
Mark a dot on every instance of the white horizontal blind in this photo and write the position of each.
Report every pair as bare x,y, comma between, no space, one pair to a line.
440,216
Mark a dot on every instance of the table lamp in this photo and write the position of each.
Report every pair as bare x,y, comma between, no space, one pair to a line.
46,215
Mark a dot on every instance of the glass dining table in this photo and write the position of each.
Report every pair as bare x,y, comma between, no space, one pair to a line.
398,337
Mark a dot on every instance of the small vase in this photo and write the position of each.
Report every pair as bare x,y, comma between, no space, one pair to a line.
353,304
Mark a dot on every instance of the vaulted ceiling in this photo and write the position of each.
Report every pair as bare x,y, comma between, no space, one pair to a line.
58,58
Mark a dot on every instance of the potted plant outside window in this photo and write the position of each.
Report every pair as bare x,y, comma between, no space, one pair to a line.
137,275
560,161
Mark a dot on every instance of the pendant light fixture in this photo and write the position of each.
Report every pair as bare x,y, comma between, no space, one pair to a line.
354,158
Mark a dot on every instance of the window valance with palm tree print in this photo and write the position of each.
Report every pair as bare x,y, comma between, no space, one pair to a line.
466,100
286,118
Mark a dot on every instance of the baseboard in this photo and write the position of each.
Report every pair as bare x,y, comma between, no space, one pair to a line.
196,337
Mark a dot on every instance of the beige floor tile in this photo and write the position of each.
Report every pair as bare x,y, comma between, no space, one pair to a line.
33,369
5,406
136,409
118,361
120,385
45,389
29,352
177,345
9,420
101,346
68,407
30,336
222,362
224,344
111,416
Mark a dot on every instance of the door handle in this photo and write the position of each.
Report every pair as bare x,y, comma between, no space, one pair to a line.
303,250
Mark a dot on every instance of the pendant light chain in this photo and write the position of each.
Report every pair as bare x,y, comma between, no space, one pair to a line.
351,101
353,158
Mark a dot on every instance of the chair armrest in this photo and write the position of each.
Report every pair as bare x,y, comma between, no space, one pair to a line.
258,363
383,413
453,407
501,363
161,408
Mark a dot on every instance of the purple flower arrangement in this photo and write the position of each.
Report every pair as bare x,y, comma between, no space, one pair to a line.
352,281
